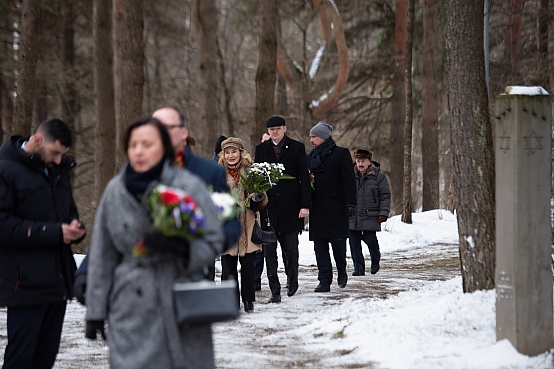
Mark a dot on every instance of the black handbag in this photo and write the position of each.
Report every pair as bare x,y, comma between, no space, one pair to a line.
259,236
205,302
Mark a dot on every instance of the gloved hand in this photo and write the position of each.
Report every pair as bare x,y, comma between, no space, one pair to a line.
80,287
157,242
351,211
93,327
382,219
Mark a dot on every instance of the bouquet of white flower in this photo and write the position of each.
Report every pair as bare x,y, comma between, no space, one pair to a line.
260,177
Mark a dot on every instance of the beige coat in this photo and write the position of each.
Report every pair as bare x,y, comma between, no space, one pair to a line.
246,218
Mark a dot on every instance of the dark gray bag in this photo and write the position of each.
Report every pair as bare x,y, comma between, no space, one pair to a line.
261,237
205,302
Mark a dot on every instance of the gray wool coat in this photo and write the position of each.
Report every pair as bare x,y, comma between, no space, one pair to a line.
134,294
373,199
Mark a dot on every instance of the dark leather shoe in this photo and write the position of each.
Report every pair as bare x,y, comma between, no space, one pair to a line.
292,290
342,281
322,288
355,273
257,285
374,268
248,306
275,299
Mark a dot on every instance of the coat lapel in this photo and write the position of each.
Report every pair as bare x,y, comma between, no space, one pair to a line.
284,149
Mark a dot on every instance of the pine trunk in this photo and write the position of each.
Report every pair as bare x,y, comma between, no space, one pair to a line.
104,91
206,25
472,146
266,73
430,134
407,185
398,108
27,57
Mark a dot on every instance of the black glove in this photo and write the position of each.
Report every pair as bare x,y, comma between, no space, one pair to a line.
80,287
256,201
382,219
93,327
157,242
351,211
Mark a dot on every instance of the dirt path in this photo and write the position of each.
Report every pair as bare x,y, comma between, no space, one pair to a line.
261,339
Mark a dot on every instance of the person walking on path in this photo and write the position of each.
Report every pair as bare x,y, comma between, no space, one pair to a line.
133,290
236,160
289,203
38,222
333,202
372,209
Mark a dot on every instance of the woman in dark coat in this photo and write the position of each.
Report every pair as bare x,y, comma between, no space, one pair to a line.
134,293
372,209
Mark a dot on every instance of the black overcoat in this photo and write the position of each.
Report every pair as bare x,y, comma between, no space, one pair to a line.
289,195
35,265
334,189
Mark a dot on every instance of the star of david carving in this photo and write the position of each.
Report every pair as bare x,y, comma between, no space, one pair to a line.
533,143
504,144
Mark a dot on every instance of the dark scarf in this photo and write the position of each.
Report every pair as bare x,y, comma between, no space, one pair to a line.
137,183
319,154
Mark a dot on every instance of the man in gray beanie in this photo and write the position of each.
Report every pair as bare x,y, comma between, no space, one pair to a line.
333,201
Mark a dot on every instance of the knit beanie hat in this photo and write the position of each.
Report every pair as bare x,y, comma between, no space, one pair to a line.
275,121
218,144
322,130
363,154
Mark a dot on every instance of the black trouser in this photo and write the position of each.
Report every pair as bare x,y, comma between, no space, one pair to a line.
289,247
34,334
370,238
229,268
323,258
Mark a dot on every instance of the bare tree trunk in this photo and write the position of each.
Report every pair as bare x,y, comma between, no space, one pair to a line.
27,57
117,38
132,59
542,44
104,91
398,112
515,39
266,73
281,107
8,78
407,186
228,129
70,104
472,146
430,138
205,22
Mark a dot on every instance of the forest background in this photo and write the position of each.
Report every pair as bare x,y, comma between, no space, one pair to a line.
377,70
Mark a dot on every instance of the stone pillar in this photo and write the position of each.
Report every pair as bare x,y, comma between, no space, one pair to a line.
523,236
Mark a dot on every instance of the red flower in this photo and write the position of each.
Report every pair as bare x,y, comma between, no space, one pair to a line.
169,198
190,202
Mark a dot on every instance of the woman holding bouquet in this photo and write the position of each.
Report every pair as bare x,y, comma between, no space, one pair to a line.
133,266
236,160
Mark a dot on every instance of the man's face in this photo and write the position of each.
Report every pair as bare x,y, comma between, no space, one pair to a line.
50,152
316,141
362,164
277,133
170,119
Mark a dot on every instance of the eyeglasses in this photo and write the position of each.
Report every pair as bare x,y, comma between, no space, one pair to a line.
169,127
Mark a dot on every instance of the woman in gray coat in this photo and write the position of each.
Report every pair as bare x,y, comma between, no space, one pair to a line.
134,293
372,209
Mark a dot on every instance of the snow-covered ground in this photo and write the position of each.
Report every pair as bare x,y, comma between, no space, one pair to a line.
430,323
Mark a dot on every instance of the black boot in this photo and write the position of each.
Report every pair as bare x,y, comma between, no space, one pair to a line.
257,285
322,288
248,306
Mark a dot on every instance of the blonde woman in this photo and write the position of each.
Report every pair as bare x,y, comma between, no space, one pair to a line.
236,160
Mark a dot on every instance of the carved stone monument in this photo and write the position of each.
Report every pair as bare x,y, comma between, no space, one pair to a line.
523,236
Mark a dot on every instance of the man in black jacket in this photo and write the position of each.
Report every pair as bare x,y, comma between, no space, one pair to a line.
333,201
38,222
289,202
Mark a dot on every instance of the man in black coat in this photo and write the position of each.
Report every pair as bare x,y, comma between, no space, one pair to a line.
333,201
38,222
289,202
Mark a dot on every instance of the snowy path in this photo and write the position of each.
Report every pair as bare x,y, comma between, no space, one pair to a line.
269,338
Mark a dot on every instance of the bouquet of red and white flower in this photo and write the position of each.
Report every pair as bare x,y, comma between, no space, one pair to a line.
174,214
